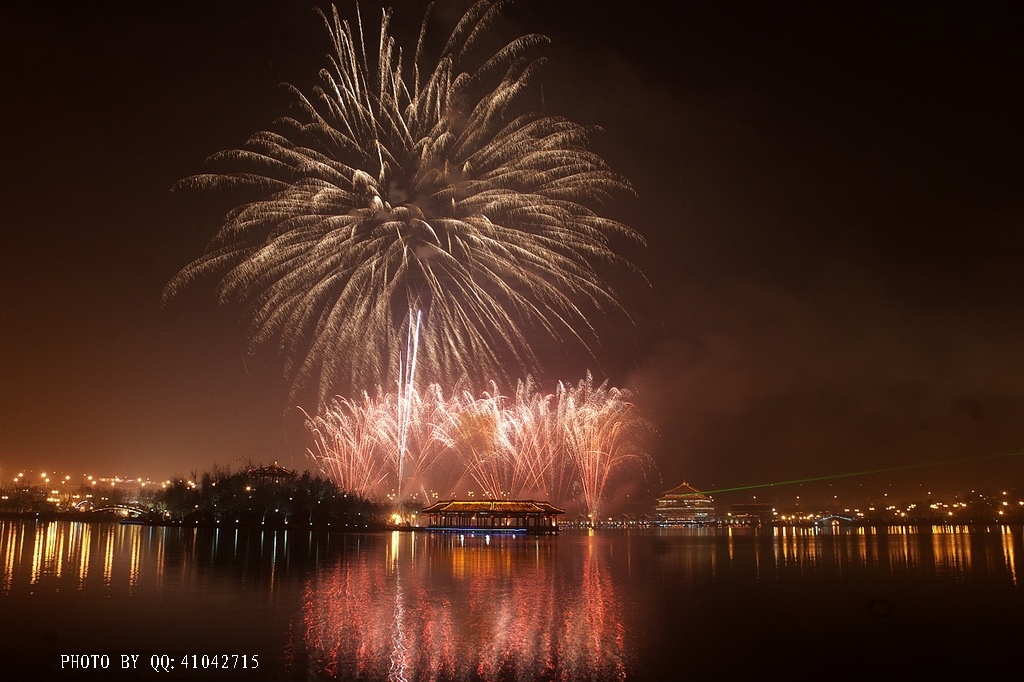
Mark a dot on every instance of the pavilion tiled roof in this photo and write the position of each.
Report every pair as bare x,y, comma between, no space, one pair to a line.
274,470
492,507
684,489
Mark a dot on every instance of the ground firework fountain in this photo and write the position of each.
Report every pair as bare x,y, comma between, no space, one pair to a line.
565,446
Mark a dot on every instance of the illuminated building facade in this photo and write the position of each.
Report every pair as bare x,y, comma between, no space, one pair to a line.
493,516
685,504
751,513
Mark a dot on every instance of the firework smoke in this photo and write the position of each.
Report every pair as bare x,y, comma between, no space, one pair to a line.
418,185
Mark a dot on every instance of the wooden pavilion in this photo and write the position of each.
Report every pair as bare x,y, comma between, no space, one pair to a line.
493,516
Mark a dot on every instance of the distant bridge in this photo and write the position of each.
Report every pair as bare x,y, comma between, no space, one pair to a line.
126,510
834,518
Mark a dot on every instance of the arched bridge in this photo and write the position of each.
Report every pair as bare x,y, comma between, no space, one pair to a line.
125,510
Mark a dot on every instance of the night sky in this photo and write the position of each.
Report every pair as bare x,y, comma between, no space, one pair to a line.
831,194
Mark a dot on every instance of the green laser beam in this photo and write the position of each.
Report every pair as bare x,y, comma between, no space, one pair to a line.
830,477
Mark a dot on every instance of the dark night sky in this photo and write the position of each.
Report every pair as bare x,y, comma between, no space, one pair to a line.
831,195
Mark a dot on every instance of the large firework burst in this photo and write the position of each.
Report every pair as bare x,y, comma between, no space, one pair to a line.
414,186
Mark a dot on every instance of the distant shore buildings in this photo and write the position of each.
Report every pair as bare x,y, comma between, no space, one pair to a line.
307,500
751,514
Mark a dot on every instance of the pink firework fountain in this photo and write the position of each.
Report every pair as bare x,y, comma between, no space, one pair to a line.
565,447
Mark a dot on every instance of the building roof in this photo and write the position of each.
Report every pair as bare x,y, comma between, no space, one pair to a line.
752,508
684,489
274,470
492,507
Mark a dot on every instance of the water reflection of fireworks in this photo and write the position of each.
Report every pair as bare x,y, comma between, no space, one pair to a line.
453,610
563,446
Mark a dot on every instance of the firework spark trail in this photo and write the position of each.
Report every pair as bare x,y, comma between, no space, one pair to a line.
566,446
348,445
600,435
423,447
356,443
406,386
527,435
473,430
414,187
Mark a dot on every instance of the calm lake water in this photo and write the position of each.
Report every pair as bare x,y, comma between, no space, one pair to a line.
638,605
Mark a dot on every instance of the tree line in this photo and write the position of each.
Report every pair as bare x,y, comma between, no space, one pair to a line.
262,496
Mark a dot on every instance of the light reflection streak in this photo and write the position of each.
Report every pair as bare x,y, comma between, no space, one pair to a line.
66,555
161,557
1009,555
952,554
38,553
84,544
942,551
468,610
58,552
12,554
398,661
135,559
273,563
108,555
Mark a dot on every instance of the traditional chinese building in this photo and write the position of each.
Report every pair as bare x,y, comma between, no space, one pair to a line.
275,473
685,504
493,516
